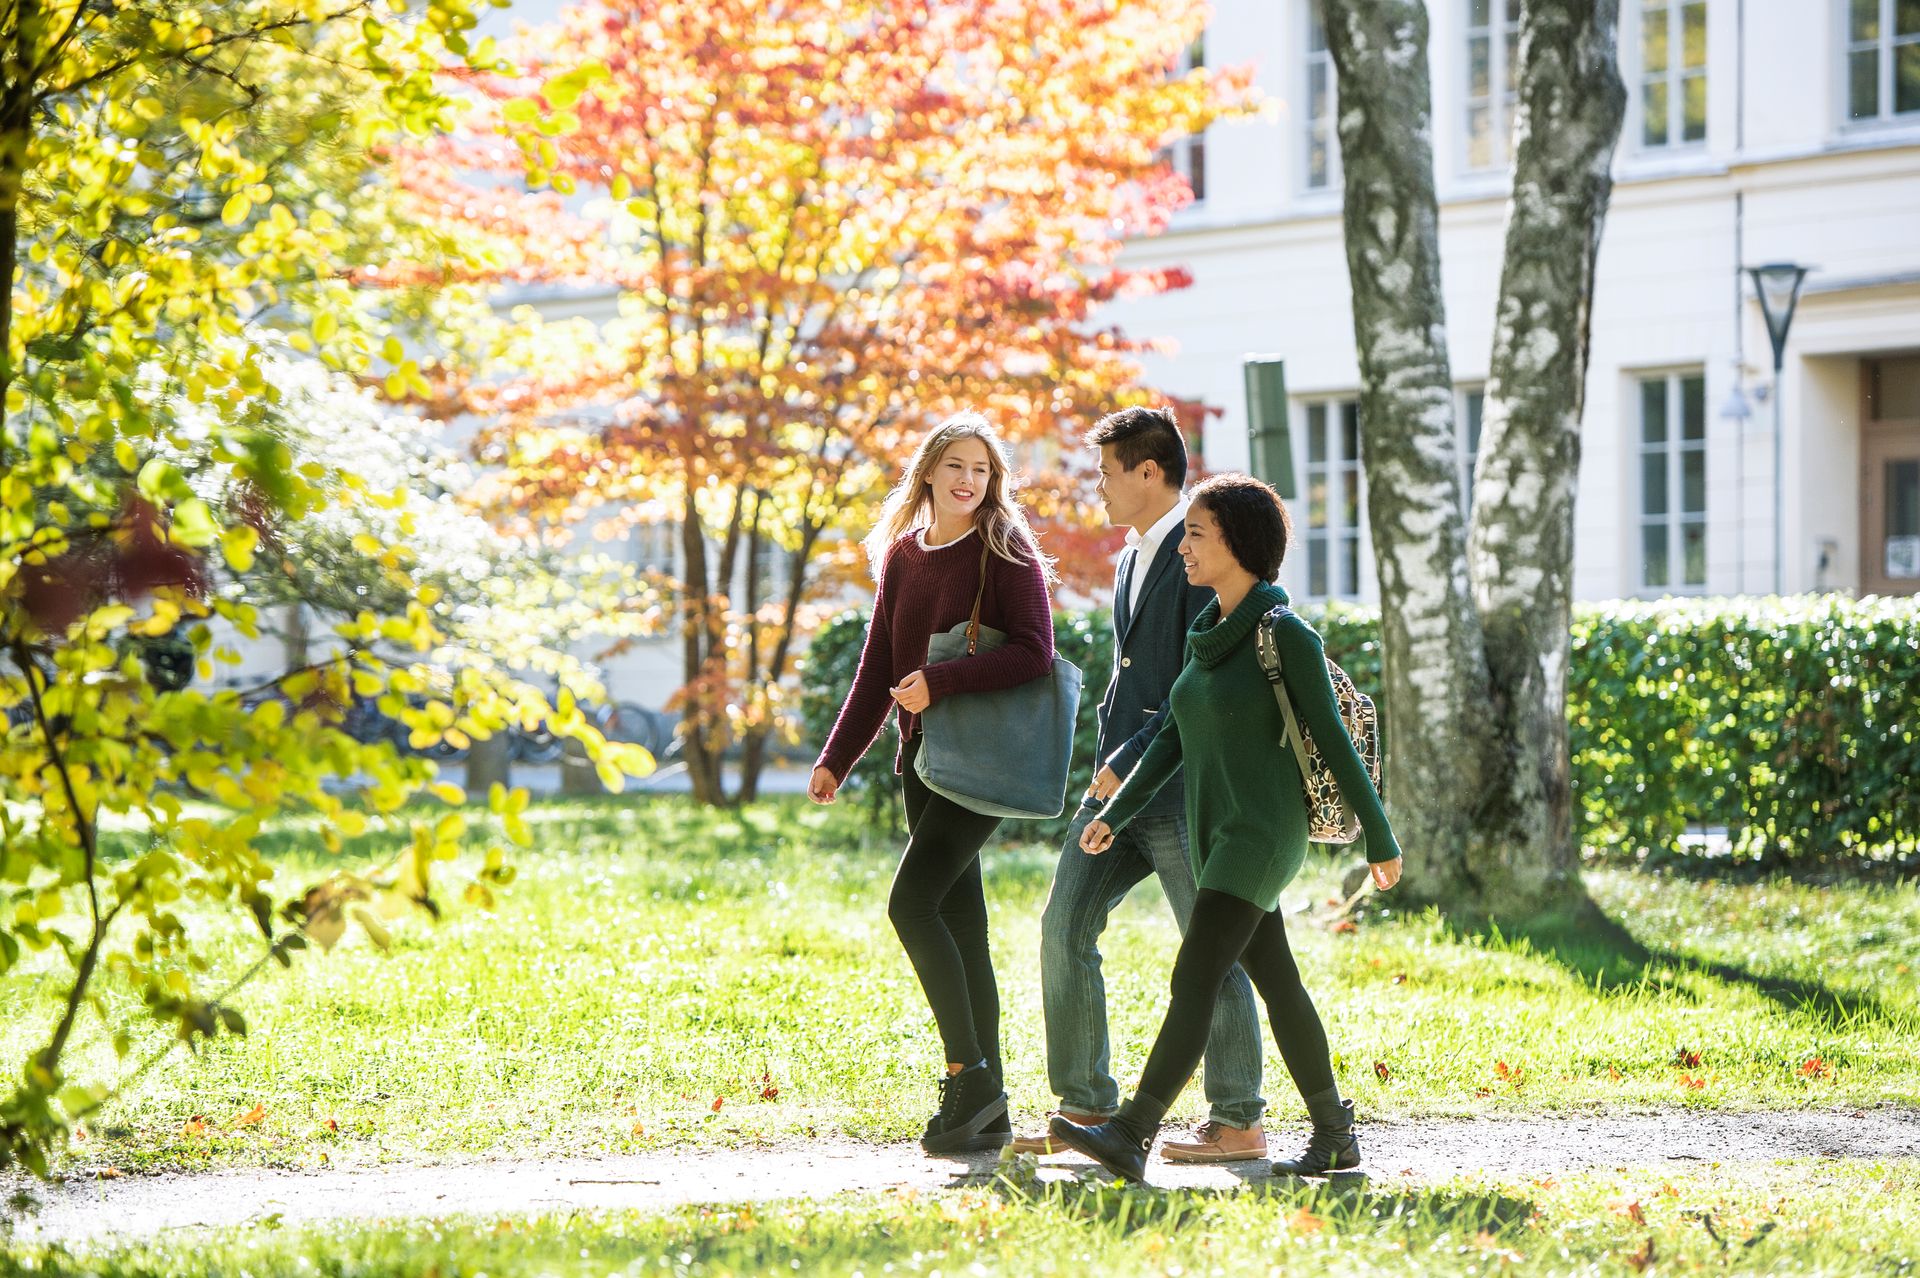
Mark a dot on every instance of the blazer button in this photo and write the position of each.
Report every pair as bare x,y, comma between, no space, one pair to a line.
1126,661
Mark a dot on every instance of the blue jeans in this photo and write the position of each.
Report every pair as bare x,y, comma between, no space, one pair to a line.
1074,995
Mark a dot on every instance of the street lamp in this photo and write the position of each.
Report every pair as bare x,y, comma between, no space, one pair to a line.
1778,286
1737,411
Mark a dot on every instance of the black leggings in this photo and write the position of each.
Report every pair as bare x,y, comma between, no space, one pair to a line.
938,907
1226,930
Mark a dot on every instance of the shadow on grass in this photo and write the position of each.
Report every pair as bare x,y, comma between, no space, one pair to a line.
1611,960
1347,1201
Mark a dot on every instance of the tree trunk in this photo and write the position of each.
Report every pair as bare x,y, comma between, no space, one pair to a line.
1475,623
1521,542
488,763
1434,669
701,746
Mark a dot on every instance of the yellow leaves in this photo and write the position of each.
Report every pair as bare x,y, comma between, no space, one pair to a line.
447,792
237,209
509,805
238,545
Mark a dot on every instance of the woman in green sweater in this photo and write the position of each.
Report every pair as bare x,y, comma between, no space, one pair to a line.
1247,809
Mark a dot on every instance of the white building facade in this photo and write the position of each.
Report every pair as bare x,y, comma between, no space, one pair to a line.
1758,131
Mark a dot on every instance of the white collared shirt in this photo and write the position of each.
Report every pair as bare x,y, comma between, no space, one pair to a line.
1145,548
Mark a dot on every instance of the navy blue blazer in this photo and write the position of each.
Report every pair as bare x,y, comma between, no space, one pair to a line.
1149,649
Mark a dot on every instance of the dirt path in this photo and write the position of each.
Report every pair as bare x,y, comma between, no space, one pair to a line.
142,1206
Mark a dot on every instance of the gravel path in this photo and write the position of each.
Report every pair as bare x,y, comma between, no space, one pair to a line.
136,1206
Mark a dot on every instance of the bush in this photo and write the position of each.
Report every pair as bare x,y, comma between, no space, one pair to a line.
1794,724
1790,722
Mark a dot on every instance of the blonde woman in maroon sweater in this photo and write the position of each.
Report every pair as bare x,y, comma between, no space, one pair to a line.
955,502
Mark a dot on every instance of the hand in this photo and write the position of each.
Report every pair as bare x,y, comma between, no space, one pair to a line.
822,787
912,694
1096,838
1104,783
1386,873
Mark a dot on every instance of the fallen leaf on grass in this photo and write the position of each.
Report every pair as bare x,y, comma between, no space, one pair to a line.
1686,1058
1346,925
1381,1072
1815,1067
196,1126
252,1118
109,1173
1613,1072
639,1129
329,1125
1693,1082
1631,1210
1305,1222
1487,1243
717,1102
1642,1260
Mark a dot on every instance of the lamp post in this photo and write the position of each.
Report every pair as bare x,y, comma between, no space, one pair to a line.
1778,287
1737,411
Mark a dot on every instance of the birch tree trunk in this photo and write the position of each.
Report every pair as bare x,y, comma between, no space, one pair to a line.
1436,676
1475,629
1520,545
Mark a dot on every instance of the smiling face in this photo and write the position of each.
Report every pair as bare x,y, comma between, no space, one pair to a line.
1127,493
1204,551
961,478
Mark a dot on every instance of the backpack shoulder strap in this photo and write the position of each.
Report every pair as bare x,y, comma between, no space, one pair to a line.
1267,646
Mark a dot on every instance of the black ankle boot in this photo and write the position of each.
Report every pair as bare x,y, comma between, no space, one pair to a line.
1333,1147
1120,1144
973,1113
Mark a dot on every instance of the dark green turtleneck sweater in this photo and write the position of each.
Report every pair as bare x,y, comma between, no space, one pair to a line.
1246,806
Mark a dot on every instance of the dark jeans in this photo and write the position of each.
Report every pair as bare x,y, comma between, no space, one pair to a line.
938,907
1227,930
1073,990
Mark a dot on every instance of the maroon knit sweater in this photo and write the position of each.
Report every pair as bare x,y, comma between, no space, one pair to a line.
923,592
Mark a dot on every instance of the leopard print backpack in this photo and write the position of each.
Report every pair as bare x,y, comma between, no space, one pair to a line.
1330,818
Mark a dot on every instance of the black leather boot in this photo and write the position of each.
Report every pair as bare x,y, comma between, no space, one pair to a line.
972,1116
1120,1144
1333,1147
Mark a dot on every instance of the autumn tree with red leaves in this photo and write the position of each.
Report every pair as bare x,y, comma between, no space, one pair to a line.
830,223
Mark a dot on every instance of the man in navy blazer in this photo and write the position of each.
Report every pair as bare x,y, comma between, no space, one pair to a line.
1143,463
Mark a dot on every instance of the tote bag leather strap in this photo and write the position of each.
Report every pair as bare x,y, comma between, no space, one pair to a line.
973,625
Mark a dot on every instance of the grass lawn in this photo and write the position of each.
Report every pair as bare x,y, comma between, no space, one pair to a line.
660,976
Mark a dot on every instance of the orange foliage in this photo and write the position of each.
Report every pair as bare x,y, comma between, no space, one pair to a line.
829,223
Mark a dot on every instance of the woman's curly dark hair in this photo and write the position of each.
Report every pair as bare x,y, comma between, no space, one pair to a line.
1252,518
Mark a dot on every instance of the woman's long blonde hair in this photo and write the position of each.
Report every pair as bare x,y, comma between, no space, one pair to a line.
999,520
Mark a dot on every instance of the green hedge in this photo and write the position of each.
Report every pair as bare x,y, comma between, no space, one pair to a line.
1792,723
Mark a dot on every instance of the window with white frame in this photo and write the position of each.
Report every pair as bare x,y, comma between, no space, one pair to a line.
656,545
1333,499
1188,156
1883,60
1673,482
1468,409
1323,144
1493,80
1672,97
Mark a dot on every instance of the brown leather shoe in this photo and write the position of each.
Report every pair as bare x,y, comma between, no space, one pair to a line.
1218,1143
1044,1143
